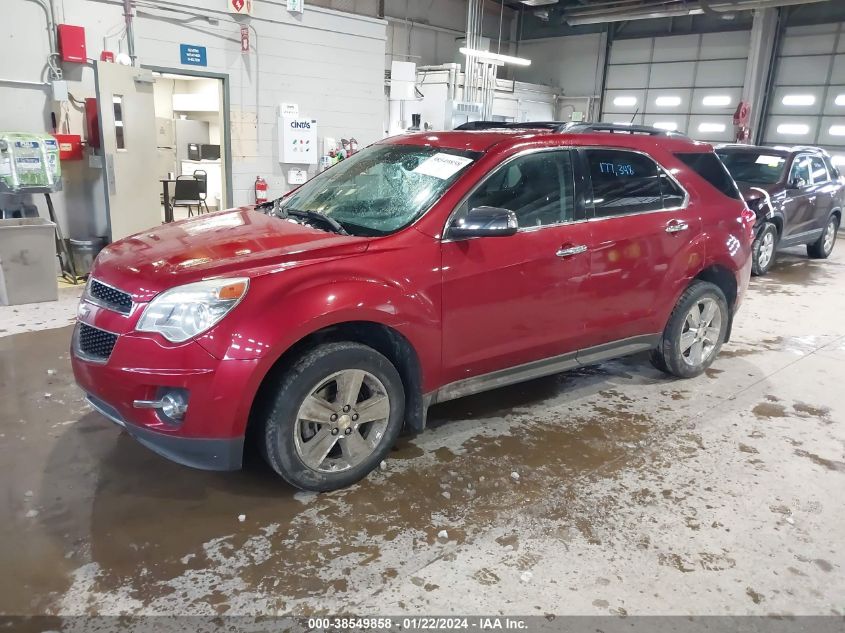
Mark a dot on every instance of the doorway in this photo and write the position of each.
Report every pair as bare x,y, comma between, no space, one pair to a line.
192,141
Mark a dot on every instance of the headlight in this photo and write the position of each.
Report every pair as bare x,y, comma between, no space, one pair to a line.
185,311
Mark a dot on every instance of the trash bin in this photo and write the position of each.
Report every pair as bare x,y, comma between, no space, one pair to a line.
84,252
27,261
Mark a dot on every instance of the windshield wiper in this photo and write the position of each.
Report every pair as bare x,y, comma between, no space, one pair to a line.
313,216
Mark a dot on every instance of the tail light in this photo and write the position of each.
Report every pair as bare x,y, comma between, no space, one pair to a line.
749,219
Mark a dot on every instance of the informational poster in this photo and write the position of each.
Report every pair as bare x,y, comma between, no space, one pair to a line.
296,6
298,140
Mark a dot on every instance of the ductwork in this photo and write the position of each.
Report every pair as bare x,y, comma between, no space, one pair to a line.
624,10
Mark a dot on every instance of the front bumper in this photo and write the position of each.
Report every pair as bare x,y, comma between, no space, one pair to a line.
142,366
202,453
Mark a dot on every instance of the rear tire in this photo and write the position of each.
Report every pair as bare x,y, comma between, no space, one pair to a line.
823,247
695,331
763,250
336,413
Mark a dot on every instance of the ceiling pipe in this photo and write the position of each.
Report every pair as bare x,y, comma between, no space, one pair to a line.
599,15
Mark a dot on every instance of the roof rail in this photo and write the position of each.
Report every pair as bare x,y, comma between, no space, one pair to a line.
570,127
619,128
504,125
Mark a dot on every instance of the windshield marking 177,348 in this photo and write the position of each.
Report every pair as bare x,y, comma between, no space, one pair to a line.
383,188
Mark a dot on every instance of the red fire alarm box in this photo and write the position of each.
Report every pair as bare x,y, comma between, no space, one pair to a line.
72,43
92,123
70,146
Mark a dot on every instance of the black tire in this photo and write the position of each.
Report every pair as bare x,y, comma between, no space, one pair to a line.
296,384
818,250
760,265
669,357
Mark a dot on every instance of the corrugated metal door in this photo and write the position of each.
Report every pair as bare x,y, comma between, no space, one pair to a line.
688,83
807,105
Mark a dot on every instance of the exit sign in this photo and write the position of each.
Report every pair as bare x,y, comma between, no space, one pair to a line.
191,55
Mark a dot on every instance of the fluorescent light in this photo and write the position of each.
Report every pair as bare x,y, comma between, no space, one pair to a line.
840,100
837,130
838,159
716,100
711,127
796,129
666,125
798,100
667,101
625,101
496,57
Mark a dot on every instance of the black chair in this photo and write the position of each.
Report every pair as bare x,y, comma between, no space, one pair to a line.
202,178
186,193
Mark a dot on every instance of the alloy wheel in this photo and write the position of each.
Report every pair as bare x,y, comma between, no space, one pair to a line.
829,236
341,423
700,334
767,249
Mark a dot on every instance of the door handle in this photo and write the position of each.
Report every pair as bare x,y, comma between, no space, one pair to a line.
676,226
568,251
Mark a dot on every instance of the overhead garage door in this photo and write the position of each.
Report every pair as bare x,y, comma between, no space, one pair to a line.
807,106
688,83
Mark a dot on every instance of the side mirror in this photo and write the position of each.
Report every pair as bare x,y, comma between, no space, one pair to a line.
484,222
795,183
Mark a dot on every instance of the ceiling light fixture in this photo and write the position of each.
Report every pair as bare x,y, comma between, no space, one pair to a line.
495,57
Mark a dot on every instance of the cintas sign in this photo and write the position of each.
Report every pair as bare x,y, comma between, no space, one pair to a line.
239,7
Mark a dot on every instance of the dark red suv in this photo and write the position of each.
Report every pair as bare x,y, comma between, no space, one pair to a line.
424,268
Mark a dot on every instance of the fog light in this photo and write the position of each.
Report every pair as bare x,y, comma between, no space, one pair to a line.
172,404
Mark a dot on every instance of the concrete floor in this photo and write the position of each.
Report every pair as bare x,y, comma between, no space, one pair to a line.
636,493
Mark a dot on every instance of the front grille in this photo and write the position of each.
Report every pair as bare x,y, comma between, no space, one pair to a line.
94,343
109,297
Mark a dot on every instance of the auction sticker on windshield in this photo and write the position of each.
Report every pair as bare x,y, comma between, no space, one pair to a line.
442,165
771,161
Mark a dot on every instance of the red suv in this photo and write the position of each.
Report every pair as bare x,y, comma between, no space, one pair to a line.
424,268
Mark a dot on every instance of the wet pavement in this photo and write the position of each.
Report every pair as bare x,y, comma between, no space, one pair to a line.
608,490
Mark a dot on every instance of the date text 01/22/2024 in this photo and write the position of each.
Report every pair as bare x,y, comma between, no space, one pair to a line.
421,623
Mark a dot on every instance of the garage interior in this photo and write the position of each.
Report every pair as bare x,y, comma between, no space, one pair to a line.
611,490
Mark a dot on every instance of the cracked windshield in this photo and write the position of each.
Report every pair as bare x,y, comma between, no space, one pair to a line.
381,189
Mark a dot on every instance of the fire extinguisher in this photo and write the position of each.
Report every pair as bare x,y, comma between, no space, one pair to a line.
260,190
742,133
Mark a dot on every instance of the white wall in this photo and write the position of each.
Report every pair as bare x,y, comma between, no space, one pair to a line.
573,63
330,63
426,32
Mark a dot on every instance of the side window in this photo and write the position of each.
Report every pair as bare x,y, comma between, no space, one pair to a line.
624,182
831,169
818,170
673,195
800,172
538,188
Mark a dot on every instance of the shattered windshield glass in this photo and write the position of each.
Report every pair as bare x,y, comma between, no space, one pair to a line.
382,188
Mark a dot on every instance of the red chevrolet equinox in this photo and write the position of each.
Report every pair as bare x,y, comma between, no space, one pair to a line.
424,268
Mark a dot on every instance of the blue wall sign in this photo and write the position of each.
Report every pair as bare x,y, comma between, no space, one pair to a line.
191,55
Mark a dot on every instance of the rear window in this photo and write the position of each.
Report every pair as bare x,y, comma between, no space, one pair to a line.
709,167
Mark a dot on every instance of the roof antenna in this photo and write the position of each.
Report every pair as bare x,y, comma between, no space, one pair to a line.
635,116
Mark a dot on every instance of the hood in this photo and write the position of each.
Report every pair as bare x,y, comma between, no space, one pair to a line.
227,243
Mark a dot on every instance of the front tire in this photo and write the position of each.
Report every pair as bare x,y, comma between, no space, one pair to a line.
695,331
823,247
337,412
763,249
